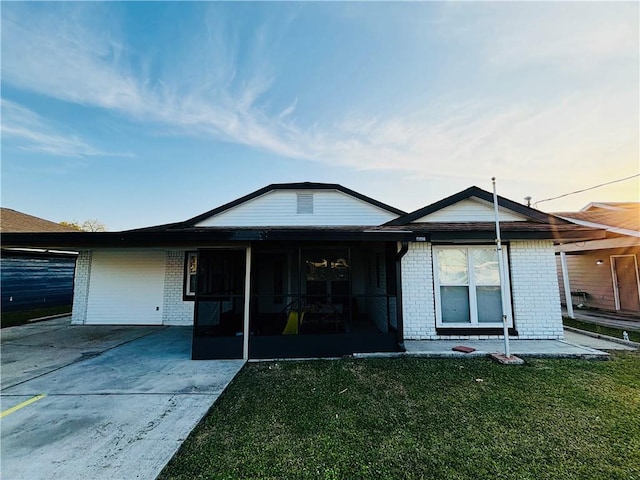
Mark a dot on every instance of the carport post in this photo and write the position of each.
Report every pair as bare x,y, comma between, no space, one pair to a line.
247,300
567,286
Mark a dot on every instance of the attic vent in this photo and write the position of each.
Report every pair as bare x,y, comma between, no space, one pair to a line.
305,203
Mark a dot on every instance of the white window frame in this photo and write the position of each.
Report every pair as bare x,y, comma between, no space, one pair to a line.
187,274
471,284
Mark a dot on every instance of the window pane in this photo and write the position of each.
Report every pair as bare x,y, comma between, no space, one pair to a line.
452,266
485,266
489,304
455,304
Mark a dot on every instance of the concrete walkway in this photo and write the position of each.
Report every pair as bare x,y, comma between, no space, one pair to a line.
597,342
118,401
524,348
607,319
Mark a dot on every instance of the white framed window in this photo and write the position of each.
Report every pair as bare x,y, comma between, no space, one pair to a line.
467,287
190,274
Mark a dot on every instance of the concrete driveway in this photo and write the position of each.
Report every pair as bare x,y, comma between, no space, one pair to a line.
100,401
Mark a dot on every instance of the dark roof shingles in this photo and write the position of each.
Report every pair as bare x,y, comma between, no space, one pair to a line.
628,219
12,221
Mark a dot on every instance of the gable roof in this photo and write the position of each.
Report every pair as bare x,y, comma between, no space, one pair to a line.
624,219
14,221
286,186
609,206
536,225
531,214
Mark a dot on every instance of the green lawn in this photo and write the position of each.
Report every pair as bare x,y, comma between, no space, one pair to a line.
19,318
421,419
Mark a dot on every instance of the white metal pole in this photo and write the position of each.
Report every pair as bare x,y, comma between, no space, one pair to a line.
247,304
567,285
505,326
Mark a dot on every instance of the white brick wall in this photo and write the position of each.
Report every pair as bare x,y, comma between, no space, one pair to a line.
175,311
534,289
81,288
417,292
534,284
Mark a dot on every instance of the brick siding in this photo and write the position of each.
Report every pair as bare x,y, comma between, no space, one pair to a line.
534,290
81,288
175,310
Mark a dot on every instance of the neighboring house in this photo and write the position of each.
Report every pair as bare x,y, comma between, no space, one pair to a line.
312,269
33,279
604,273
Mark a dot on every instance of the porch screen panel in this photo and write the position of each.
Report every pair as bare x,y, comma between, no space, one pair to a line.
220,294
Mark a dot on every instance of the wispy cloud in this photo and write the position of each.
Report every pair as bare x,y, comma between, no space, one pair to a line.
212,94
32,133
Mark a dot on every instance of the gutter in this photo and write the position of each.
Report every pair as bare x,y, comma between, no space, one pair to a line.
399,313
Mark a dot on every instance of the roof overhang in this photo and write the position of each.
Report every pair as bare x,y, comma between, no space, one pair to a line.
581,247
204,236
436,232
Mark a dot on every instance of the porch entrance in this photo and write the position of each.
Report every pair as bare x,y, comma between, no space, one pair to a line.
322,301
218,327
301,301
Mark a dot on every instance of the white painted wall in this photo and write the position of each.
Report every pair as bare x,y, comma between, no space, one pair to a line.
126,287
534,290
278,208
470,210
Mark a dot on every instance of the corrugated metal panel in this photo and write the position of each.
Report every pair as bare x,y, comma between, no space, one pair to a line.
470,211
30,282
279,208
126,287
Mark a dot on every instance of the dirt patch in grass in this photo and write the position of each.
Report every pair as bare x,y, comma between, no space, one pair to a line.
421,418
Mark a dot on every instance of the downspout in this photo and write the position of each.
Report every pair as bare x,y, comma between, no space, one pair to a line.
399,314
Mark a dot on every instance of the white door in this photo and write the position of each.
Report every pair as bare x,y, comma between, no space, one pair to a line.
126,287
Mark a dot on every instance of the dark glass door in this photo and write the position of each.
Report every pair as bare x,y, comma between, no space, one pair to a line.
219,305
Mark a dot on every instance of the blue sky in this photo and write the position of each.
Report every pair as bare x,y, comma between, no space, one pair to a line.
146,113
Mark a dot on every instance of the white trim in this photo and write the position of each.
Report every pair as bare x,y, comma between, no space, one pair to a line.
567,285
614,277
188,274
608,228
604,206
473,306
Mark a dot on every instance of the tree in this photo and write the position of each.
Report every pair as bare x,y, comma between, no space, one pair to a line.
91,225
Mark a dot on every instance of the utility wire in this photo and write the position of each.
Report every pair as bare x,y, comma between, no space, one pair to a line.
586,189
